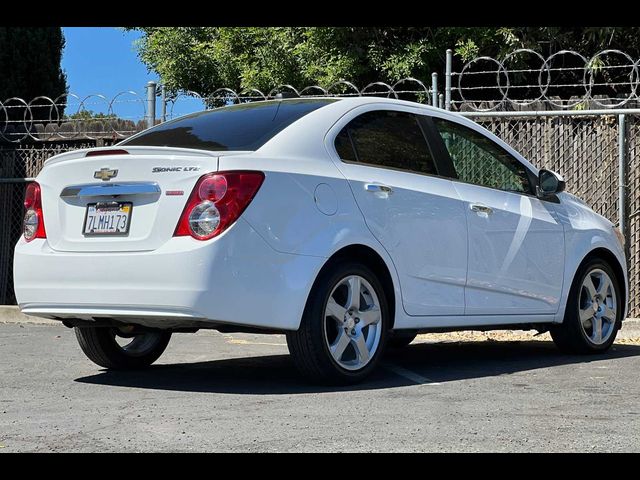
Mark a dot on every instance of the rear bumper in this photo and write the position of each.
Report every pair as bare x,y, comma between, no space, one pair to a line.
236,278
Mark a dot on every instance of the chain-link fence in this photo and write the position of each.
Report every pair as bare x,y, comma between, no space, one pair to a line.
19,163
576,114
632,211
584,149
561,134
11,195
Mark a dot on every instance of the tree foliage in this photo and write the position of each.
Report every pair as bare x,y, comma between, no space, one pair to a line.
30,62
203,59
90,115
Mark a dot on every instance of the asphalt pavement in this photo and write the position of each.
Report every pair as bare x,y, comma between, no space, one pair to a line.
240,392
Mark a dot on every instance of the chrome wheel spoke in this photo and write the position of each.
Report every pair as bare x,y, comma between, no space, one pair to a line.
586,314
370,317
353,298
588,284
361,348
335,310
597,330
340,345
604,286
609,313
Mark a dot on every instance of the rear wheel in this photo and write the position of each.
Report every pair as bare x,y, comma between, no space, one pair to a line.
594,310
111,347
344,326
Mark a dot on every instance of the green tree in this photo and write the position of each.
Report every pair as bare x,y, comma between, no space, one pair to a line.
30,62
90,115
203,59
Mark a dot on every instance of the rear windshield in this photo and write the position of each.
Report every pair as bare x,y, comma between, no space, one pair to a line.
246,126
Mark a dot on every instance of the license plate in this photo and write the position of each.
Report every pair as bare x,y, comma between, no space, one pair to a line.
107,218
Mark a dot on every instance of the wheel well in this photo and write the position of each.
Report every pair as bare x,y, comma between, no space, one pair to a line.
610,258
369,257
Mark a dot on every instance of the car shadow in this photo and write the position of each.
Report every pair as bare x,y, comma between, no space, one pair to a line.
415,364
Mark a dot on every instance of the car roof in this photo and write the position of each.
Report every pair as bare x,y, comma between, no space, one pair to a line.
332,112
358,100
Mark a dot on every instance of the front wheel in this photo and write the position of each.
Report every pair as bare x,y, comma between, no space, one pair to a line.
344,326
112,348
593,313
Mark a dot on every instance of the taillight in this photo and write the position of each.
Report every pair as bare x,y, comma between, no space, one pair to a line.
33,225
217,200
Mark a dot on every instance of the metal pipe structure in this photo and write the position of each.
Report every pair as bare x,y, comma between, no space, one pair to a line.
434,89
622,149
447,80
163,99
151,104
555,113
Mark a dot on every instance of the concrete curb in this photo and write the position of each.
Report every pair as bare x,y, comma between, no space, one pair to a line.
630,328
12,314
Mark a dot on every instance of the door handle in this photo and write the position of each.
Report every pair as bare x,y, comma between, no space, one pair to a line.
480,208
376,187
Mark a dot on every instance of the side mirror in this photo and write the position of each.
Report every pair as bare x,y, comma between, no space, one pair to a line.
549,183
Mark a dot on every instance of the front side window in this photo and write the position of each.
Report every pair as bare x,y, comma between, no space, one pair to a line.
386,138
479,160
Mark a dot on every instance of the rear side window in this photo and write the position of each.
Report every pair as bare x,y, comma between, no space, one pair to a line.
246,126
385,138
344,147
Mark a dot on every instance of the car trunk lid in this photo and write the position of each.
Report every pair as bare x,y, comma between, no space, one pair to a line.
146,188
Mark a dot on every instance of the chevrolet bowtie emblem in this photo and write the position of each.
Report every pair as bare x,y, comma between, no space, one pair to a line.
105,174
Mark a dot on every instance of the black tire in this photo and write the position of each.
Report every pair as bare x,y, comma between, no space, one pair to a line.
307,345
569,336
401,339
100,346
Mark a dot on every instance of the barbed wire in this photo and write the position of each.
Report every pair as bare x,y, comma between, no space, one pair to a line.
341,88
565,79
70,117
42,118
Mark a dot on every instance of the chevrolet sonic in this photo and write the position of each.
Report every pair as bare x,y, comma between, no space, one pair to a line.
349,224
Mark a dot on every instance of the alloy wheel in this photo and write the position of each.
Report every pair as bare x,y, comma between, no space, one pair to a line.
597,308
353,322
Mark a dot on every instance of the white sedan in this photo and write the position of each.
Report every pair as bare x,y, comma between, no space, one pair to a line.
347,223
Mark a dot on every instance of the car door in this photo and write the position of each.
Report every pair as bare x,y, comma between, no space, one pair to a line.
413,212
515,242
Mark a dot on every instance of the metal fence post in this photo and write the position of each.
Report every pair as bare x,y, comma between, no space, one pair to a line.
151,104
447,80
163,99
440,100
622,159
434,89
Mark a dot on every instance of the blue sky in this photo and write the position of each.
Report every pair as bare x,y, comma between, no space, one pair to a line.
102,60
